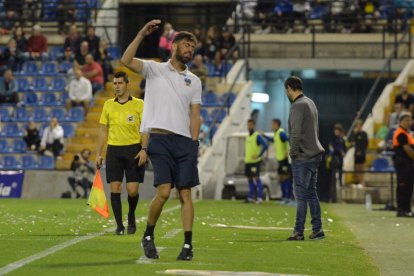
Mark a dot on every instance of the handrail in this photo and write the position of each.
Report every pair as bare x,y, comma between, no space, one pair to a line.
386,66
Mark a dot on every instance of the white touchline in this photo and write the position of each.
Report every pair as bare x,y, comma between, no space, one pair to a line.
13,266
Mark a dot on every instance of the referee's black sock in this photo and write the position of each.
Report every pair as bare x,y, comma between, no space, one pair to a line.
149,231
132,202
117,208
188,237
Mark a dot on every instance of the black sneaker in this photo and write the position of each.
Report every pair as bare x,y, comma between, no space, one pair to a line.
317,235
120,230
296,237
402,214
132,228
186,253
149,248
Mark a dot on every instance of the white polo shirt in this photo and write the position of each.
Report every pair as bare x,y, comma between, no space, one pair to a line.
80,90
168,96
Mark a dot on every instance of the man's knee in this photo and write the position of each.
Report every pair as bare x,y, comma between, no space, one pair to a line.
132,189
115,187
185,195
163,192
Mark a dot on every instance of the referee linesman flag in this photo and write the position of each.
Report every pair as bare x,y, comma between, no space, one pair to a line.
97,198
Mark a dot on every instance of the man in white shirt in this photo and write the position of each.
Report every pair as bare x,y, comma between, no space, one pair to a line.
52,139
172,117
80,91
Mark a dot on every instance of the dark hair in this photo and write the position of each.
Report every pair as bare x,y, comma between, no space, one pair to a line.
122,74
295,83
251,121
404,115
185,36
277,121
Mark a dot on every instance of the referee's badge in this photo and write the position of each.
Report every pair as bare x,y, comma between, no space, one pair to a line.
187,81
131,118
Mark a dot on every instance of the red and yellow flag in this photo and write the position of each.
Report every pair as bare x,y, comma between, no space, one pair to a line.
97,198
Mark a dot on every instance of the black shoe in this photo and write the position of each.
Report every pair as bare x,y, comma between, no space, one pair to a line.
296,237
402,214
149,248
132,228
186,253
120,230
317,235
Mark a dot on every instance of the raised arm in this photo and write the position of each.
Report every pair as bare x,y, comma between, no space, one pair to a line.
128,58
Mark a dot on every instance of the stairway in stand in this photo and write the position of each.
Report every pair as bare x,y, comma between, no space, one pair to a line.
86,135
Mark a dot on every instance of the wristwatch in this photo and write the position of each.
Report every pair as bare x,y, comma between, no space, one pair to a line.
197,142
144,149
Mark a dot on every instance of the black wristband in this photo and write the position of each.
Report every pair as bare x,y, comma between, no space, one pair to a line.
144,149
197,142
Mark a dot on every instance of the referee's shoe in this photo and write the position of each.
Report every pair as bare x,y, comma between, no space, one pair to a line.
150,250
186,253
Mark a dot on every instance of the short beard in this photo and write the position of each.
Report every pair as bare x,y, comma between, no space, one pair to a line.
182,59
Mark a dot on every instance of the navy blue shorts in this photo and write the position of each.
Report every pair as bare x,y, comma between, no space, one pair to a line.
174,159
121,160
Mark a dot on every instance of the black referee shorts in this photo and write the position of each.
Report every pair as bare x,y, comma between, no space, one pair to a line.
121,160
174,159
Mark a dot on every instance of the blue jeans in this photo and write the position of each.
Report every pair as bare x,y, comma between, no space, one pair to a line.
305,174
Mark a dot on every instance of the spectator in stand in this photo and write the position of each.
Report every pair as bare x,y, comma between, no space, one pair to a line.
52,139
93,41
218,65
264,11
80,92
200,38
393,120
13,57
300,12
165,44
14,5
282,11
21,40
8,21
104,58
93,72
73,39
212,44
65,12
83,174
37,44
406,99
67,56
32,9
359,140
32,137
199,69
8,88
80,56
368,14
227,42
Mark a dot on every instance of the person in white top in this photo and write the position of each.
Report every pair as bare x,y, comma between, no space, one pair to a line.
80,91
52,139
172,118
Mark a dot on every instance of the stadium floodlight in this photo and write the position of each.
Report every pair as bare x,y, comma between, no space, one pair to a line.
259,97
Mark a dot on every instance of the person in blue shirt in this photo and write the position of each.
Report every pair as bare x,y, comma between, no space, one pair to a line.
255,147
281,145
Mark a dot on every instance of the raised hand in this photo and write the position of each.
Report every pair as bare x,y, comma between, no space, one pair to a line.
150,27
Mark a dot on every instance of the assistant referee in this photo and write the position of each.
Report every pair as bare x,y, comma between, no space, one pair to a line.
120,122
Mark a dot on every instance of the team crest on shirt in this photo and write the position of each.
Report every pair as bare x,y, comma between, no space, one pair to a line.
187,81
130,118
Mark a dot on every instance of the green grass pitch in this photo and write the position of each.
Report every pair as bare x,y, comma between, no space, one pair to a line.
28,227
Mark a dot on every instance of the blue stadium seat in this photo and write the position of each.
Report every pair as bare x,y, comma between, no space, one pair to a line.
29,68
10,162
56,52
204,114
210,99
114,52
30,98
76,114
19,146
382,165
49,99
5,114
40,114
218,115
39,84
46,162
11,130
65,66
58,84
28,162
49,69
69,130
227,99
4,146
59,113
21,115
23,84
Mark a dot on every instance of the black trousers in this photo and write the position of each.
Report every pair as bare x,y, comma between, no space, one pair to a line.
405,182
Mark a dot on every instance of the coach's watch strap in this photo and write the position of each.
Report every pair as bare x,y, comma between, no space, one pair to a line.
144,149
